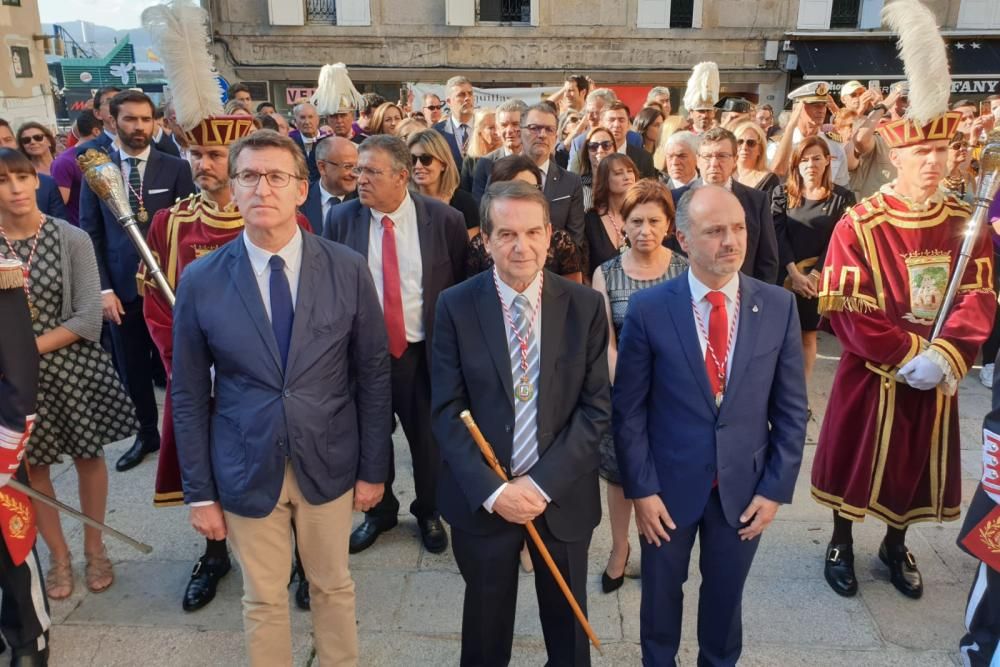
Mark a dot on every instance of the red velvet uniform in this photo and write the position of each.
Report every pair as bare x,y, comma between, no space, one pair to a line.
190,229
885,448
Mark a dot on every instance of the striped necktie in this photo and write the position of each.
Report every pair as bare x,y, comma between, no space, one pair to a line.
135,183
525,449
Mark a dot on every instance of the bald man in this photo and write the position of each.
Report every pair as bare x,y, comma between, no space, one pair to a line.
336,157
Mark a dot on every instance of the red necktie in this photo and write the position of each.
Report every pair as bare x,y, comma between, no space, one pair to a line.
718,341
392,293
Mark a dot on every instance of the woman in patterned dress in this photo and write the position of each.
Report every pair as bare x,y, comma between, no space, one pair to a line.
648,213
81,403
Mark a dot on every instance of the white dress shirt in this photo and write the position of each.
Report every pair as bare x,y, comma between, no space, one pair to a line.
507,295
259,262
328,200
143,158
704,308
411,269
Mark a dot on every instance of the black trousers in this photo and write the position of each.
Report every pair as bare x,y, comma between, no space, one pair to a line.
992,345
134,352
24,612
724,563
411,401
982,614
489,565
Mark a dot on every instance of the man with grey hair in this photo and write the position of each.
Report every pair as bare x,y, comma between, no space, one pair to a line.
457,127
712,453
336,158
525,351
680,159
416,248
597,100
306,134
508,118
660,95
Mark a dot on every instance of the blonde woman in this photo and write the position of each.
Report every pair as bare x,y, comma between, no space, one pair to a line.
385,118
434,174
484,140
751,158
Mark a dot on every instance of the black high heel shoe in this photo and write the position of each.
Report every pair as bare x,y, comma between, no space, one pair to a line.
609,584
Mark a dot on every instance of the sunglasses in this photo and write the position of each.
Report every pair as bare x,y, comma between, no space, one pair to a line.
433,107
749,143
37,138
424,159
958,146
594,146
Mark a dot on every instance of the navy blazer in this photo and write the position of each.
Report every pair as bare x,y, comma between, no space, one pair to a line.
48,198
670,437
312,207
101,142
481,174
761,260
444,243
310,155
471,370
447,131
166,180
328,412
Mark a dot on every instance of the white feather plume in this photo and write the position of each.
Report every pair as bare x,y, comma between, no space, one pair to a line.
180,36
924,56
703,86
335,92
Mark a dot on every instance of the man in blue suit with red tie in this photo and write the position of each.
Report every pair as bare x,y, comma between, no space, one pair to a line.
709,424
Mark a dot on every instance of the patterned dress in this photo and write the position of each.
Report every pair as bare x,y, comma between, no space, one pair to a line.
621,287
81,403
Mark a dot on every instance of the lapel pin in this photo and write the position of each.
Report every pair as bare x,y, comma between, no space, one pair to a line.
755,308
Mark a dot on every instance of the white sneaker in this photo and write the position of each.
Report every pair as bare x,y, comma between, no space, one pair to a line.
986,375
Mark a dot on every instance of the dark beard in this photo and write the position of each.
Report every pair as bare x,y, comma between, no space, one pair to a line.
134,142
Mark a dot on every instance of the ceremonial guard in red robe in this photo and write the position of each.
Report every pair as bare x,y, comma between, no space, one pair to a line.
24,614
889,444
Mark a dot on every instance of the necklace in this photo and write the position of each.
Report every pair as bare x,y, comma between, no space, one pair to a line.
141,215
524,390
619,226
26,266
720,368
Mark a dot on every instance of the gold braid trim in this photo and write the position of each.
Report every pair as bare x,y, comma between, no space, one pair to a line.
17,528
11,277
850,304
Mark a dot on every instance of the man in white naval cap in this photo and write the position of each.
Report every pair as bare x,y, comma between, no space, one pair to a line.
811,102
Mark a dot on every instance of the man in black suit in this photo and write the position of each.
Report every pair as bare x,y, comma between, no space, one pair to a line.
336,158
509,115
457,127
526,352
615,118
163,141
102,109
562,189
416,248
154,181
306,134
717,164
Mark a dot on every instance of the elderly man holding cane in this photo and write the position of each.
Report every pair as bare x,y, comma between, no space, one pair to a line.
503,350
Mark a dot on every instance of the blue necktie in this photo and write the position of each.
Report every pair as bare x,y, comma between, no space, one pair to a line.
282,314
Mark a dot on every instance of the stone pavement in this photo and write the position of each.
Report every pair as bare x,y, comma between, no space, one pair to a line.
409,601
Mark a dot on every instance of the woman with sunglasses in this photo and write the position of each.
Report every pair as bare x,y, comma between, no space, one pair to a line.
82,405
959,179
434,175
385,118
604,225
599,144
751,158
649,123
38,144
805,210
484,140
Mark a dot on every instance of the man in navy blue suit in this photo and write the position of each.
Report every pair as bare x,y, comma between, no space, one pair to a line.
709,424
154,181
336,158
457,127
102,109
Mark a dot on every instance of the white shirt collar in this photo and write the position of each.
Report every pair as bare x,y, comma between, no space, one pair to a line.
508,293
325,196
259,258
396,215
143,156
456,123
700,289
623,147
545,168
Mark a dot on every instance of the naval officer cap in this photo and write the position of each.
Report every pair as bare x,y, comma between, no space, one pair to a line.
815,91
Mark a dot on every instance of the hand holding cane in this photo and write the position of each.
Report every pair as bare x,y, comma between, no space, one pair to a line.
491,460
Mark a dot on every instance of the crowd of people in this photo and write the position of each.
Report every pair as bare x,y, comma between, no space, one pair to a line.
362,265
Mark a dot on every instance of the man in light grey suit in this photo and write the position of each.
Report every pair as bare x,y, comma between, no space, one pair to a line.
298,427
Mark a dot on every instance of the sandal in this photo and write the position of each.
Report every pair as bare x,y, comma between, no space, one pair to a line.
59,578
99,574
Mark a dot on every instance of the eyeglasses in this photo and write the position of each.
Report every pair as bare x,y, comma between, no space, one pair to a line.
433,107
367,171
959,146
749,143
594,146
541,130
28,138
718,157
276,179
346,166
423,159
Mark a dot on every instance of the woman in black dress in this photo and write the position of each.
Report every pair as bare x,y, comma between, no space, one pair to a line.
805,210
434,174
603,224
598,145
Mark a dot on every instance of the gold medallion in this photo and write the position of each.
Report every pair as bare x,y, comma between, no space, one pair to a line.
33,310
524,390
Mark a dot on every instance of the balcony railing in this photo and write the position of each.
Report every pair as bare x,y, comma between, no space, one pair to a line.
321,11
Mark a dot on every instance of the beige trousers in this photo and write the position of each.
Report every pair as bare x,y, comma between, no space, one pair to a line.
263,548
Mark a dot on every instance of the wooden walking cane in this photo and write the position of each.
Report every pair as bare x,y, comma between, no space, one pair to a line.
491,460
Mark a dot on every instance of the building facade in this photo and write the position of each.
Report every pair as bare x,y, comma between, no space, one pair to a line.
25,91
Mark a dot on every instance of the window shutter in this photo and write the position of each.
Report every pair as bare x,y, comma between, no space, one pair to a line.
354,12
282,12
978,14
460,12
871,14
653,14
815,14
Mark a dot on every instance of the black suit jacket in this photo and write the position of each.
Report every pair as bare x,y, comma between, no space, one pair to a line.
101,142
761,260
643,161
310,155
481,174
564,190
447,131
166,145
471,370
312,208
443,240
166,180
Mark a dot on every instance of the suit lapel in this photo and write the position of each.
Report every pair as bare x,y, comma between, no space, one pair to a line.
152,173
305,300
494,330
682,316
746,336
552,180
246,284
424,237
554,307
362,225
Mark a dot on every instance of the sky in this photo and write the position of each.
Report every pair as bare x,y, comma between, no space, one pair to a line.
118,14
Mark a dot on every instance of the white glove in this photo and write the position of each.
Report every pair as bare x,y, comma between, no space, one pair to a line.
921,373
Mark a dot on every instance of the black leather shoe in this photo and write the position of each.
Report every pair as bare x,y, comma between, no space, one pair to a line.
137,452
839,569
611,584
302,590
365,535
433,534
31,658
903,572
204,579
